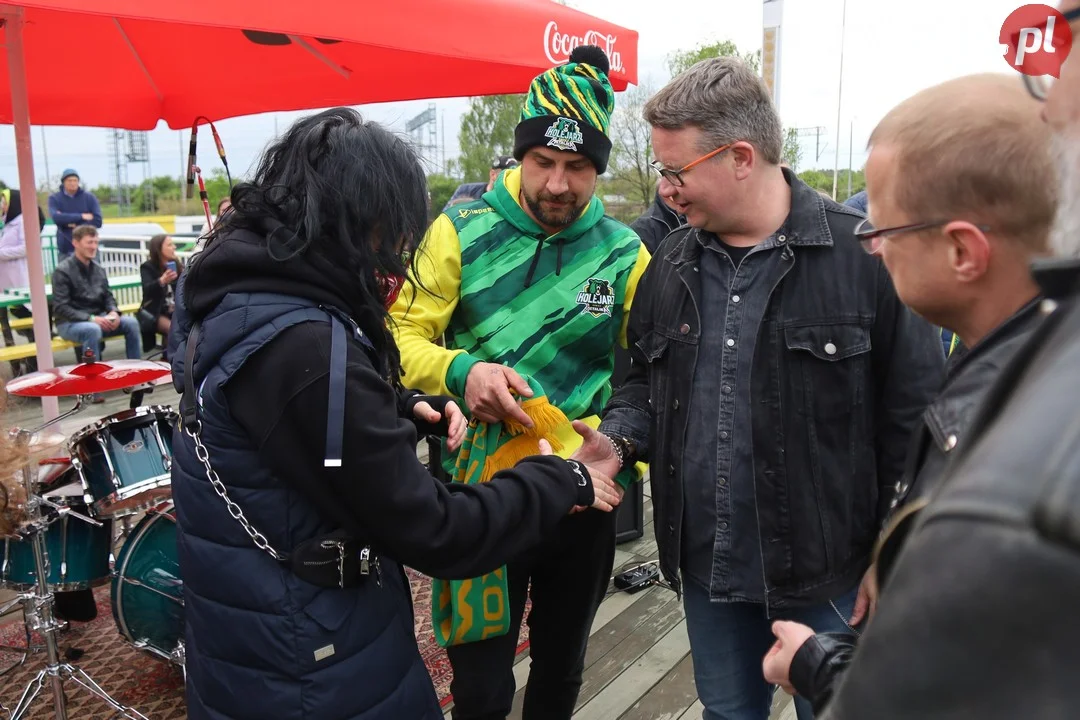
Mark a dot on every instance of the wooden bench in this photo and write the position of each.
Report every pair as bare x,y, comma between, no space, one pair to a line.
27,323
29,350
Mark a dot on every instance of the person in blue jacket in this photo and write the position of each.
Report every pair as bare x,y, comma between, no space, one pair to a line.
303,499
70,207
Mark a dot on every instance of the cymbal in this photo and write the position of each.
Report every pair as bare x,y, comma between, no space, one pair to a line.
88,378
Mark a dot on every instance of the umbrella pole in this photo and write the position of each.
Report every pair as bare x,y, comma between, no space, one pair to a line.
20,111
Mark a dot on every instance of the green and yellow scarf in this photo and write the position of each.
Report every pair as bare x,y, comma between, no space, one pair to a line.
464,611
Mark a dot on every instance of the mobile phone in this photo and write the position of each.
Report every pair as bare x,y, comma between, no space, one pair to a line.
171,265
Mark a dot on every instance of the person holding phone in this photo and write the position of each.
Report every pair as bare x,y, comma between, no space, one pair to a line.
159,276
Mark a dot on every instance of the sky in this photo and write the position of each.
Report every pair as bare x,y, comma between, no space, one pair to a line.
891,50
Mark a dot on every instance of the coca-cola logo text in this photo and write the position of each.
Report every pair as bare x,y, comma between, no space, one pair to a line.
559,45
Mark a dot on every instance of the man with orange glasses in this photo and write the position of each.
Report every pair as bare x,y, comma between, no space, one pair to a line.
776,379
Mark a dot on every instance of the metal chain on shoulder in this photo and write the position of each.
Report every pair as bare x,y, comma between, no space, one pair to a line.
219,487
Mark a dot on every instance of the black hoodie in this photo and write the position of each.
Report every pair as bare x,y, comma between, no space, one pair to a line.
280,398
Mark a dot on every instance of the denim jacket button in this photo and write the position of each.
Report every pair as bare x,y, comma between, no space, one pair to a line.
675,405
830,349
684,329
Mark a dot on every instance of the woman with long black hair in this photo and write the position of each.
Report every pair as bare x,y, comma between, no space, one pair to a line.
299,496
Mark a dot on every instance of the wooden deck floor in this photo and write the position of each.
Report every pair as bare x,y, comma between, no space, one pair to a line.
638,664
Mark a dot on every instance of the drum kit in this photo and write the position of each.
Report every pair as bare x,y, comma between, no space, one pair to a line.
115,469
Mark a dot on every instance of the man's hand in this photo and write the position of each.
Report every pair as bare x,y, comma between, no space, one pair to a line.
87,216
606,495
866,601
455,420
113,318
101,322
487,394
776,666
596,451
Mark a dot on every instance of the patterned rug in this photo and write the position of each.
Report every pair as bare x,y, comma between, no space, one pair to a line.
151,686
438,664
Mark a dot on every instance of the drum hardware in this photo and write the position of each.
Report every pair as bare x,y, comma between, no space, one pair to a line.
147,599
124,461
38,604
120,466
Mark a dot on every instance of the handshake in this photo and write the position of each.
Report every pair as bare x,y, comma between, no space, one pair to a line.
598,455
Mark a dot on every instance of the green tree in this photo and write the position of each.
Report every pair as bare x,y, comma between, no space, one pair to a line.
487,130
631,138
681,60
440,188
217,187
822,180
792,151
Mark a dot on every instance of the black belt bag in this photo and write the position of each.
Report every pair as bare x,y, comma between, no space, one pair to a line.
334,561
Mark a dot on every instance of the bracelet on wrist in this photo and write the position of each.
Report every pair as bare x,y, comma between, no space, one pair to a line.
620,446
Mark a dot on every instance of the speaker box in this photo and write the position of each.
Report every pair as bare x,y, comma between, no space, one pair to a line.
630,515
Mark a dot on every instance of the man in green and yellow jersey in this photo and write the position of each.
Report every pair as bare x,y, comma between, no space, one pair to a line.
532,281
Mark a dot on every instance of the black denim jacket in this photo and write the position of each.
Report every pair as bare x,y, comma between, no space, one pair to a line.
842,371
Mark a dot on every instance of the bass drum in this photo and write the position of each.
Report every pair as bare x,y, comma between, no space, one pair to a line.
147,591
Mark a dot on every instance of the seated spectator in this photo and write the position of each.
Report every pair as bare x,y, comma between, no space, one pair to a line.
159,276
83,305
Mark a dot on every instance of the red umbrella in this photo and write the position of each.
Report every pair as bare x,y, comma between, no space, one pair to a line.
181,59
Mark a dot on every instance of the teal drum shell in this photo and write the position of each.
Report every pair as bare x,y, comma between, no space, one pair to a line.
125,460
147,590
78,554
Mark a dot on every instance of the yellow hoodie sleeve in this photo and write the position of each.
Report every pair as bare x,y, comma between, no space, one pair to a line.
423,310
643,259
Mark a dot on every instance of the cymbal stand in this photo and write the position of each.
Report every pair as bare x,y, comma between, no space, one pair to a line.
39,615
26,599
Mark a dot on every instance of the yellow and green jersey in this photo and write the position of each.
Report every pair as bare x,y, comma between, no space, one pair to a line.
498,289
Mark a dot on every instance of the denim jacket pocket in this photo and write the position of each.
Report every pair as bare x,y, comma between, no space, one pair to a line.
829,363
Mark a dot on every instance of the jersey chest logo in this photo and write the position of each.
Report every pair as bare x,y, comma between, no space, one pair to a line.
597,298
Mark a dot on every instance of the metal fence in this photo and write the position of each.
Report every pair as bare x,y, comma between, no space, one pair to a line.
118,254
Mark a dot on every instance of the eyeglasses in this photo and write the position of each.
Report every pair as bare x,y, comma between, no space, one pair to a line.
1039,85
872,238
675,176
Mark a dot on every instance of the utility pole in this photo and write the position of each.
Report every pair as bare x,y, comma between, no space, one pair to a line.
816,131
839,101
183,172
851,156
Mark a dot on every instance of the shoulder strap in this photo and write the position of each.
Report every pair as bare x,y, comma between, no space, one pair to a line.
189,408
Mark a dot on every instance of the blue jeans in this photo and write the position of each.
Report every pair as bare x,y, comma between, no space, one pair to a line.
89,335
728,641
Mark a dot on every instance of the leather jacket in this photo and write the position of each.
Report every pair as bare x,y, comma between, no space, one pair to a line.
943,429
977,618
